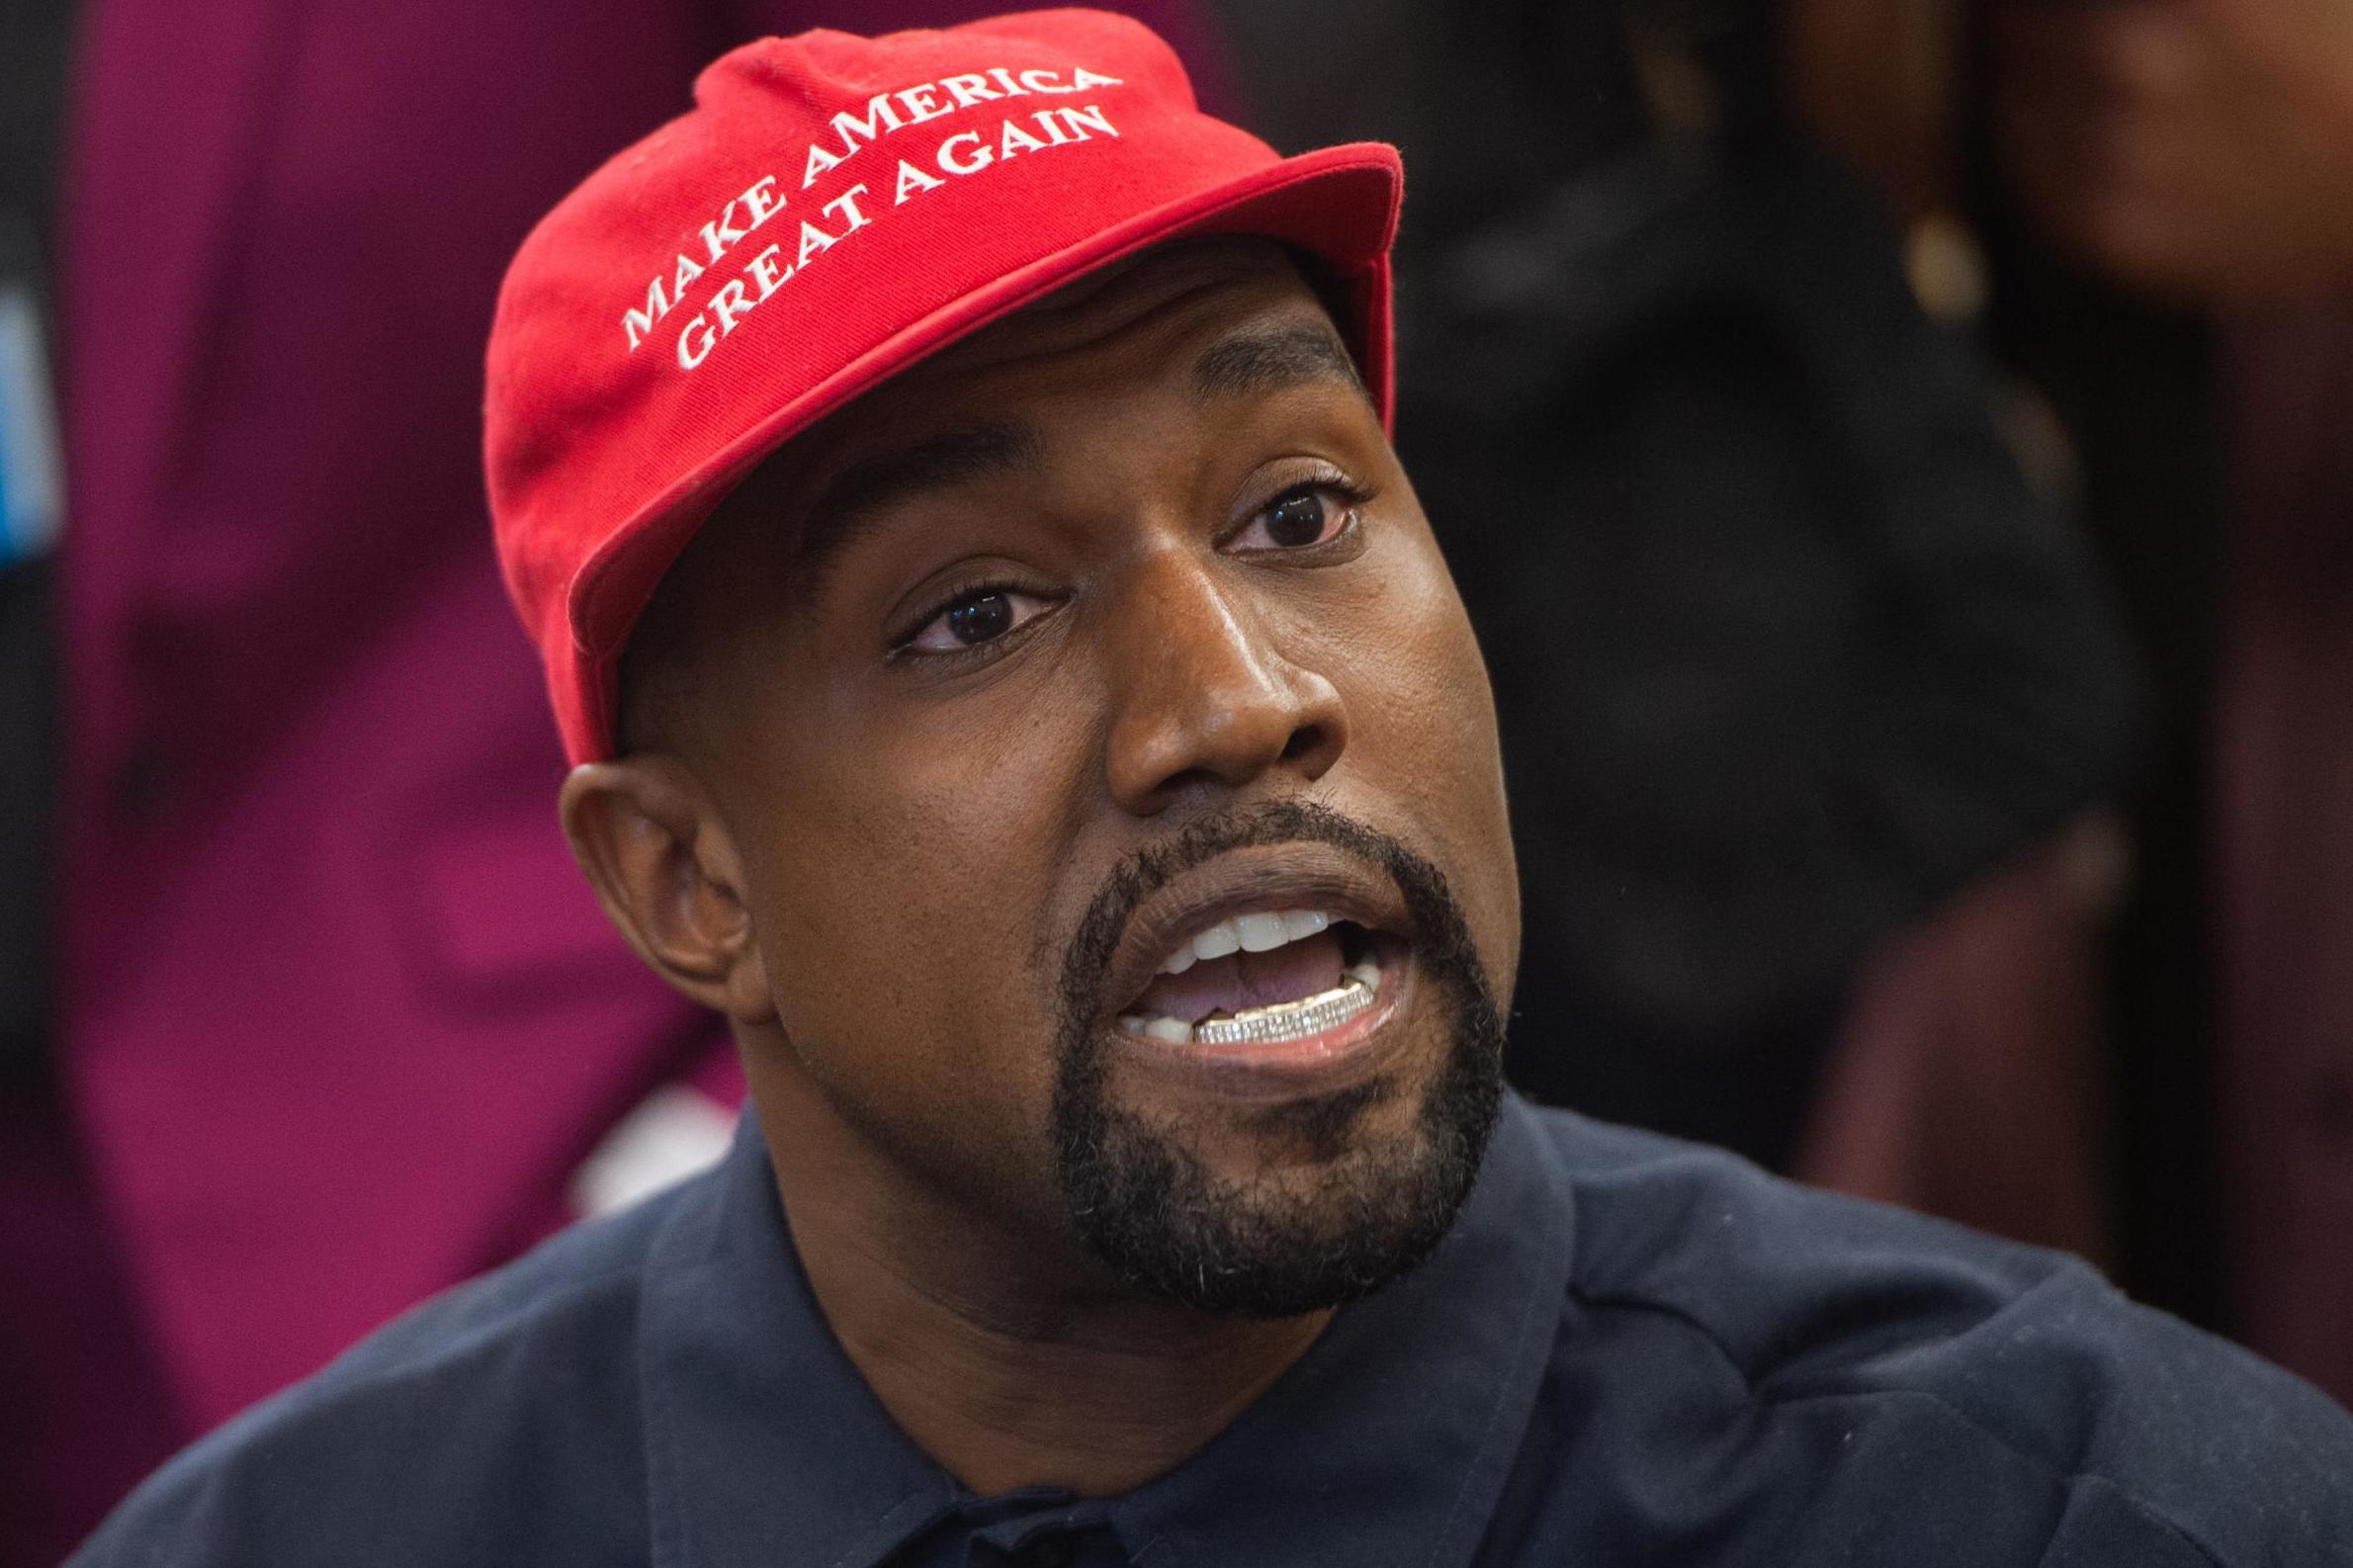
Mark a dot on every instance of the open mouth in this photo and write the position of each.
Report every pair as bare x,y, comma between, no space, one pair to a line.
1262,978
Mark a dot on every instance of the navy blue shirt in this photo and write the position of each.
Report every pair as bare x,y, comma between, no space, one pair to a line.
1628,1351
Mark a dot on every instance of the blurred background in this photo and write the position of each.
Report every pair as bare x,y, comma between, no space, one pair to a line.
1899,455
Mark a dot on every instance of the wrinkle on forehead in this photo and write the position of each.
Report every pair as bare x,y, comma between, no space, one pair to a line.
1120,299
1170,279
1289,339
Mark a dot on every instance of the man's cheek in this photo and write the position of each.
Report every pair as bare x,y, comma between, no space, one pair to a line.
1436,711
915,1030
945,940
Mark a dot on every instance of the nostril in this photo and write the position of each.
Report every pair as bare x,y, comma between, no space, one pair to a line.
1307,737
1192,778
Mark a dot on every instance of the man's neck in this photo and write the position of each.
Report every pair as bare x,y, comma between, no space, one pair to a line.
1009,1369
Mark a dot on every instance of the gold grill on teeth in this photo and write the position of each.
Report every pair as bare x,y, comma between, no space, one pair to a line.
1288,1020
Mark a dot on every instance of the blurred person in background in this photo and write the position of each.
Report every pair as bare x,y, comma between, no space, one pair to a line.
2158,195
305,1012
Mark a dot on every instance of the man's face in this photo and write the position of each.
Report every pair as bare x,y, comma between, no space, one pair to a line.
1114,781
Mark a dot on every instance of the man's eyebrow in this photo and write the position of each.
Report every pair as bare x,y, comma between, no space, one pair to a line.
853,500
1270,357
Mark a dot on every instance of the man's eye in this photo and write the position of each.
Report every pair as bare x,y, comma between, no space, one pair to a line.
1305,515
979,617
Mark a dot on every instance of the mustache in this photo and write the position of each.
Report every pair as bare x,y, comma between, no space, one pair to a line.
1146,871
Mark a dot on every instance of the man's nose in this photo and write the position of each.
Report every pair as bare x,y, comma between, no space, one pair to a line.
1206,697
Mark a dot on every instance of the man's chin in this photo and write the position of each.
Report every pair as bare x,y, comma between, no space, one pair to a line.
1282,1207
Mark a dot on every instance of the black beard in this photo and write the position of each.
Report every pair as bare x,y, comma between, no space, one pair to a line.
1146,1205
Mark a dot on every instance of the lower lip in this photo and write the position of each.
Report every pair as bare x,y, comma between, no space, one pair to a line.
1341,1055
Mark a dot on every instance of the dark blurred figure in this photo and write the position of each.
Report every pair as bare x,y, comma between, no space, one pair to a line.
332,1023
2164,190
1790,654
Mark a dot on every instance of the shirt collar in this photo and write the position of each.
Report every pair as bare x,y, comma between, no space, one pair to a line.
1389,1442
763,1445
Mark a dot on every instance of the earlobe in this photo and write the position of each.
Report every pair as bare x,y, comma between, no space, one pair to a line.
667,872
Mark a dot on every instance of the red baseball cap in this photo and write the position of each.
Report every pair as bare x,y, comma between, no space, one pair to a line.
833,210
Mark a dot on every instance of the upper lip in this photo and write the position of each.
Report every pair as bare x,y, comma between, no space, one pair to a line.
1297,875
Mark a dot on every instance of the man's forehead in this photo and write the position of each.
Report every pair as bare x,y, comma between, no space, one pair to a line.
1189,280
1194,288
1247,317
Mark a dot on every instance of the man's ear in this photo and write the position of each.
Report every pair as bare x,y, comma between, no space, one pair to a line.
669,876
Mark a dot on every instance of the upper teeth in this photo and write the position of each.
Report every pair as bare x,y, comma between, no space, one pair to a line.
1247,934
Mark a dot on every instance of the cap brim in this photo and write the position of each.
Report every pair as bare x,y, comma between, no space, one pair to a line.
1338,204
